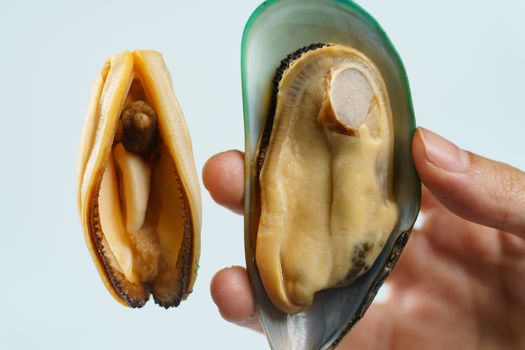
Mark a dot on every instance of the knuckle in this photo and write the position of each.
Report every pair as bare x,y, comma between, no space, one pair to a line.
509,194
511,184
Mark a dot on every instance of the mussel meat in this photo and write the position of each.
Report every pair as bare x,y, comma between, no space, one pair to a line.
325,177
138,193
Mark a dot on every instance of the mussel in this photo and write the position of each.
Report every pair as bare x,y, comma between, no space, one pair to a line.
331,191
138,192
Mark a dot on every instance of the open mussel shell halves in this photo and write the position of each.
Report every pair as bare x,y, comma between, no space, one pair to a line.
138,191
275,30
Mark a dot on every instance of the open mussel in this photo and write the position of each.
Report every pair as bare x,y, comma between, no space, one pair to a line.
325,178
138,192
331,192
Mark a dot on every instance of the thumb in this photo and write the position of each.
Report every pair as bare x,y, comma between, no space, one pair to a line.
478,189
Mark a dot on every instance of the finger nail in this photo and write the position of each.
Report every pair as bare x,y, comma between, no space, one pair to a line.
443,153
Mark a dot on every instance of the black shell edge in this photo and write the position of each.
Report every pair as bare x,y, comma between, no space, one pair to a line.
268,125
119,288
185,257
184,280
398,247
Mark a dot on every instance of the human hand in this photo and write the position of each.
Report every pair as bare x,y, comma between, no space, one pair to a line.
460,282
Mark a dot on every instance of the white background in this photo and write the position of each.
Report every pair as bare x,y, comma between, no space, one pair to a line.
465,61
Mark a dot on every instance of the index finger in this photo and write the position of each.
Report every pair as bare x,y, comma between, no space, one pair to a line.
223,177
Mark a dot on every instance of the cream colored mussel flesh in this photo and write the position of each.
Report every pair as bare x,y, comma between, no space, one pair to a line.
325,163
138,191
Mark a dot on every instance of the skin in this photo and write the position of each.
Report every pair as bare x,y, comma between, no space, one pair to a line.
460,282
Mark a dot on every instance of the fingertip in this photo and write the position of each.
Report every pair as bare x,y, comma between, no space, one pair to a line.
432,156
221,166
417,147
478,189
232,293
223,177
420,157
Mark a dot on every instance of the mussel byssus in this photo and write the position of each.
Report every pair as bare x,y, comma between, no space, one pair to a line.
138,192
331,192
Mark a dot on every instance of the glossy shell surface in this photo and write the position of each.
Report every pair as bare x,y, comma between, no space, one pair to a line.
276,29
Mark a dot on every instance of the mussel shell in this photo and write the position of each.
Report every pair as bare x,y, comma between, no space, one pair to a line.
275,29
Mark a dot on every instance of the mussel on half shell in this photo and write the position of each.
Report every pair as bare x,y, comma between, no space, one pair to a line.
331,192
